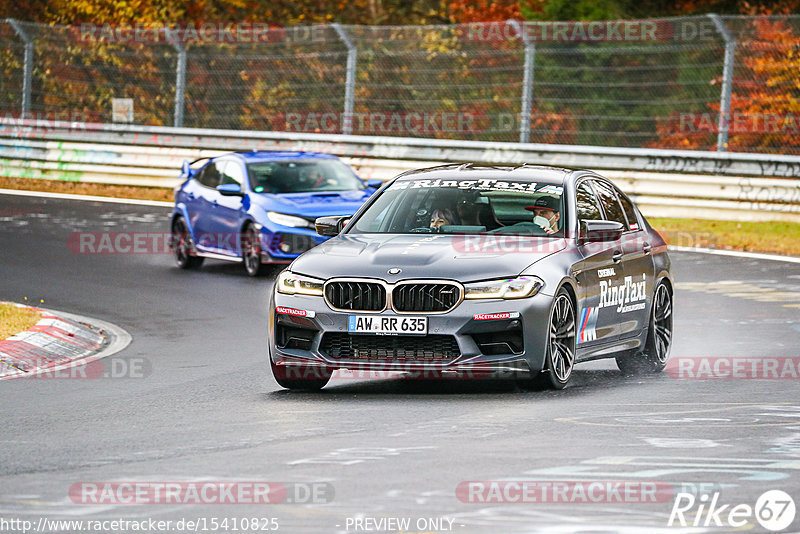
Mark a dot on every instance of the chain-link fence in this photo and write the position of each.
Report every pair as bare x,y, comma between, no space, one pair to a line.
728,83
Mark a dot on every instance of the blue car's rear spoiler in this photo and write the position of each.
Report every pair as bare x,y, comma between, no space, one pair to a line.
186,168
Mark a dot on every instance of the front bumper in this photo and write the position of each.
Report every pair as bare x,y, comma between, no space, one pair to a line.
305,333
285,245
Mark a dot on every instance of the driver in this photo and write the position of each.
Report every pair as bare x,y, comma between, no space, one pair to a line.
312,177
546,214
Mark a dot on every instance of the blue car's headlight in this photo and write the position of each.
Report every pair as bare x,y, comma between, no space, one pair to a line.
288,220
297,284
514,288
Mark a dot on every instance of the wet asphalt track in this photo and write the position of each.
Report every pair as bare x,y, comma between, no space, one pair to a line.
208,408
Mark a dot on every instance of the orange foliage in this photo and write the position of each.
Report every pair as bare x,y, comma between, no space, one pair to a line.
484,10
765,105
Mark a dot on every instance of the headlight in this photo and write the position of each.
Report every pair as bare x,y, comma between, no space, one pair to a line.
288,220
297,284
514,288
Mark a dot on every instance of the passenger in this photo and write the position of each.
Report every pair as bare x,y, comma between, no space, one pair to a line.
441,217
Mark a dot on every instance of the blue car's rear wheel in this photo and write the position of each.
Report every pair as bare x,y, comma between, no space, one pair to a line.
182,246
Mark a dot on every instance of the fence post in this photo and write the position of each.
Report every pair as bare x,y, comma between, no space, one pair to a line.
350,81
527,84
27,79
727,83
180,83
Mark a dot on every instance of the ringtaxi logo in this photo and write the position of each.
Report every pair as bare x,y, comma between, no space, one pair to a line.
774,510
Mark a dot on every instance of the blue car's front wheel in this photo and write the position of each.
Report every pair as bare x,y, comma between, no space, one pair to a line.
251,251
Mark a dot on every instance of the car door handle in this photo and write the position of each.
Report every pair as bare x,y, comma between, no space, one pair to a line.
647,248
190,196
617,257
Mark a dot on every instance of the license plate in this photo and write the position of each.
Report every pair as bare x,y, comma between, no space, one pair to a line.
387,325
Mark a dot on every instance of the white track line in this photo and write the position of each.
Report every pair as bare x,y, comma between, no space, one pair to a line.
157,203
736,253
91,198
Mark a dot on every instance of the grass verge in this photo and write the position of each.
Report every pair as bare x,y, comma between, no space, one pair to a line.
770,237
82,188
773,237
14,320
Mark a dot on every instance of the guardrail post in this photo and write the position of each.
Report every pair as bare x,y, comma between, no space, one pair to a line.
350,80
527,85
27,79
180,84
727,83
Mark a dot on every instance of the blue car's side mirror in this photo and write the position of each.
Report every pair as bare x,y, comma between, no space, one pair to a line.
374,183
230,190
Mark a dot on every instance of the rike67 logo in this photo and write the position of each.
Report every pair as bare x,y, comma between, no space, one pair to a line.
774,510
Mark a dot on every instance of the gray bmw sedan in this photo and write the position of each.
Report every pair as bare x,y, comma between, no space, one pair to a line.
478,271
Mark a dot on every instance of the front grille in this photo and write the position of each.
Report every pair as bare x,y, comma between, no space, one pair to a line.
357,296
425,297
431,348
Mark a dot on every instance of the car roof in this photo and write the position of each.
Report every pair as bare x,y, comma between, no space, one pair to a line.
255,156
460,171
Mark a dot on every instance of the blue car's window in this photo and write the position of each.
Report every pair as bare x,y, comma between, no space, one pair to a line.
302,176
209,175
467,206
232,173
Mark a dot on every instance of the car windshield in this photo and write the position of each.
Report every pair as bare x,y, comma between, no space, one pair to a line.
466,207
302,176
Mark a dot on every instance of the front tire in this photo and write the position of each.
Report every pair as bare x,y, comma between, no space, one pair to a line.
182,246
313,379
653,359
560,357
251,251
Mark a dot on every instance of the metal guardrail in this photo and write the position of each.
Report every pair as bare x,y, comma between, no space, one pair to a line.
667,182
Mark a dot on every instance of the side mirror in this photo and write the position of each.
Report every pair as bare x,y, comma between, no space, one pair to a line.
374,183
230,190
599,231
331,226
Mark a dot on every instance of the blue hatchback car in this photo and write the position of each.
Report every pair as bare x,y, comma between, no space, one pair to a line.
259,207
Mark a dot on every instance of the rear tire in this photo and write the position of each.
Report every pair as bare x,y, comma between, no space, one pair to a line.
314,378
182,246
653,358
560,357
